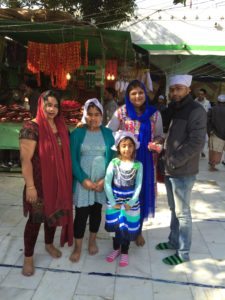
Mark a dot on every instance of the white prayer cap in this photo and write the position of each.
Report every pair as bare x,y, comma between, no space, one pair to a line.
161,97
86,105
119,135
221,98
180,79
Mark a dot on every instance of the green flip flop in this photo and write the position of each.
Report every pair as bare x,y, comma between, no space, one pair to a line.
163,246
173,260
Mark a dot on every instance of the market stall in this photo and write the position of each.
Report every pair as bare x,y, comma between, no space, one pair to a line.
94,62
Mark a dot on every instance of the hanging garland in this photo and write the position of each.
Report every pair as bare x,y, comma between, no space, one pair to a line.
86,53
55,60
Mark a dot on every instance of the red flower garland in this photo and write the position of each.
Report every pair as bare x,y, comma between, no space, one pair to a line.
86,53
55,60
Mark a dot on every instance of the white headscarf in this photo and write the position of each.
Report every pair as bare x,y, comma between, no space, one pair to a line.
180,79
119,135
86,105
221,98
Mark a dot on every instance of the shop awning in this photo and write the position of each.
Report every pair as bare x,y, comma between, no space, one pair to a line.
115,44
180,32
181,40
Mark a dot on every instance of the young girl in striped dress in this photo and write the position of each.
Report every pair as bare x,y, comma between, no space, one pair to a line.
123,183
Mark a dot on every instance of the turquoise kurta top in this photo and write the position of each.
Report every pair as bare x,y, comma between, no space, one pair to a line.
91,153
93,164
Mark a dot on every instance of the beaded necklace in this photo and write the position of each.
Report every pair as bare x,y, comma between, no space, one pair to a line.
126,175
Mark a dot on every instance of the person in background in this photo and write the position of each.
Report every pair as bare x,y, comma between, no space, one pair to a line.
91,153
201,99
31,92
123,183
223,158
145,122
216,132
161,106
110,105
183,144
46,169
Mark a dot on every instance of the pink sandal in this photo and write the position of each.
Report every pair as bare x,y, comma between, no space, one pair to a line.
113,255
123,260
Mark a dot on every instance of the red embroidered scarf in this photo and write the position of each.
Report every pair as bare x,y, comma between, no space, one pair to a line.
56,174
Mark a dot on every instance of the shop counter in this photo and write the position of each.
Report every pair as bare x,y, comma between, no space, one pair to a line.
9,135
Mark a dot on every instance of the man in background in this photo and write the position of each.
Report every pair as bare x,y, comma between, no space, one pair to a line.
216,131
161,103
201,99
110,105
205,103
31,92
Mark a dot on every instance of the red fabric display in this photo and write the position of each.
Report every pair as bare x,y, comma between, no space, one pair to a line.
55,60
111,68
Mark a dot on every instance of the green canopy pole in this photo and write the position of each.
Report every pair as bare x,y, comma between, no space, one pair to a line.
102,85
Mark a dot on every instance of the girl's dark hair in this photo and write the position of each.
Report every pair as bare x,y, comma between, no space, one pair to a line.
125,139
92,105
51,93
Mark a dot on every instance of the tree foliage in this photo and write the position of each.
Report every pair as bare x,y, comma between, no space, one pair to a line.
104,13
179,1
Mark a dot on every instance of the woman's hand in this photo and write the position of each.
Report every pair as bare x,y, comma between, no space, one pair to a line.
99,185
27,148
31,194
88,184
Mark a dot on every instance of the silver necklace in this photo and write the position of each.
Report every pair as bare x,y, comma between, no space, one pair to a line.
127,176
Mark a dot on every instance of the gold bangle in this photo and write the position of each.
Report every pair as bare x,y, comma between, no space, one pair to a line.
30,187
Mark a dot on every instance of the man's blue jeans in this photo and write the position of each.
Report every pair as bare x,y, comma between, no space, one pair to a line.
179,196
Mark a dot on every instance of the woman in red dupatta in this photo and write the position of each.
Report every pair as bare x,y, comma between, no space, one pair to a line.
46,168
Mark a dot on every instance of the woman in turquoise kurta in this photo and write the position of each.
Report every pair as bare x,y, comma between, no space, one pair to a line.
91,153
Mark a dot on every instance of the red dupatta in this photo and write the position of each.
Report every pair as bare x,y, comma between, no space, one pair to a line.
56,174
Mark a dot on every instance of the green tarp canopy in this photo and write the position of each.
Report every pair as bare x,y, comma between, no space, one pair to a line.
115,44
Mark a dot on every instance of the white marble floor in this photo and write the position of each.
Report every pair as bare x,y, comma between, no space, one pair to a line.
146,277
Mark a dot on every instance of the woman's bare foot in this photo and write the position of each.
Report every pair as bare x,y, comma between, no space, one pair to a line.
75,255
28,266
140,241
53,251
92,248
92,245
213,169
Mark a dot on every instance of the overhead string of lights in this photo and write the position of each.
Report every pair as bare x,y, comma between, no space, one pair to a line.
103,13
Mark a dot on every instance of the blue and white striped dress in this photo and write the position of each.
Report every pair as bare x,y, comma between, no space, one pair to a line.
125,188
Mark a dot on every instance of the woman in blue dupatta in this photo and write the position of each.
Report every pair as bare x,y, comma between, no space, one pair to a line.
145,122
